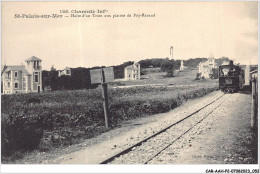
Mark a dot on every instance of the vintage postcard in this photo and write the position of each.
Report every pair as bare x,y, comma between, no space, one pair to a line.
160,86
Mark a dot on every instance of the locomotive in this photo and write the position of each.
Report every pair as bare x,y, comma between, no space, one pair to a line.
231,78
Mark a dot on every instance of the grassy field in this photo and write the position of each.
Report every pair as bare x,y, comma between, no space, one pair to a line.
63,118
155,76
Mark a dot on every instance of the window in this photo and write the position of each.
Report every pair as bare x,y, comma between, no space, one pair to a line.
8,75
8,84
15,74
15,85
36,65
68,71
36,77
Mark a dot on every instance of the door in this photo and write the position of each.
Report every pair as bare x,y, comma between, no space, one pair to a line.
39,88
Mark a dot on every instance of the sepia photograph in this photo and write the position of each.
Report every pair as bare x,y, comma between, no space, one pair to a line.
141,84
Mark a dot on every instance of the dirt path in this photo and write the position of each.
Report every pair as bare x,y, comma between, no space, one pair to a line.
223,138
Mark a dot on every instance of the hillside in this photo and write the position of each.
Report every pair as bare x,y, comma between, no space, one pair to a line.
194,62
80,77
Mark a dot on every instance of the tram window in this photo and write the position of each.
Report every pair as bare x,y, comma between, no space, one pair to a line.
224,71
231,72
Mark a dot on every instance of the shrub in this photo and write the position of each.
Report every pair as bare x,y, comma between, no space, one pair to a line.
198,76
75,115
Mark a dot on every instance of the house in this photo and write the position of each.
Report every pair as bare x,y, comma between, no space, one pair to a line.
206,68
132,72
23,79
65,72
254,74
248,71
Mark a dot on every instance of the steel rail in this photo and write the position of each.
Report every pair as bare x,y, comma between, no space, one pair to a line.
124,151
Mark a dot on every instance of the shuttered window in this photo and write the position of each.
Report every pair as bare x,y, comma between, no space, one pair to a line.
36,77
15,85
16,74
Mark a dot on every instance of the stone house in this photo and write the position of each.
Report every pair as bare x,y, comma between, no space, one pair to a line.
132,72
23,79
65,72
206,68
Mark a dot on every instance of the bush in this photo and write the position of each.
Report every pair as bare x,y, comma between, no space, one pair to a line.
198,76
169,73
73,115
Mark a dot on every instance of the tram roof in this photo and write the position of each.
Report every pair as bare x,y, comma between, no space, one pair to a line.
228,66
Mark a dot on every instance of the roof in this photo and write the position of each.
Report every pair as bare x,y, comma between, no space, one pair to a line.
228,66
67,68
18,68
33,58
4,68
130,68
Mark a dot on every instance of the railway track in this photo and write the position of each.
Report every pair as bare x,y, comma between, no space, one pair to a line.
143,151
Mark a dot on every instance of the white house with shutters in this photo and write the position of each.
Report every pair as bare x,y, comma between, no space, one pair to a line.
132,72
23,79
205,68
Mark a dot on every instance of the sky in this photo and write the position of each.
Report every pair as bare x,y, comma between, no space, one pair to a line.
194,29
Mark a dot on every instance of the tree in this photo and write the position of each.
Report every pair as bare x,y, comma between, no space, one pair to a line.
53,79
167,66
52,68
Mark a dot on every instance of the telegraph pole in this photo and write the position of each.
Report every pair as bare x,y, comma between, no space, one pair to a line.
103,76
104,97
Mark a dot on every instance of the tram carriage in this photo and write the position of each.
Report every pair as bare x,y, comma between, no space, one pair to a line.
231,78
